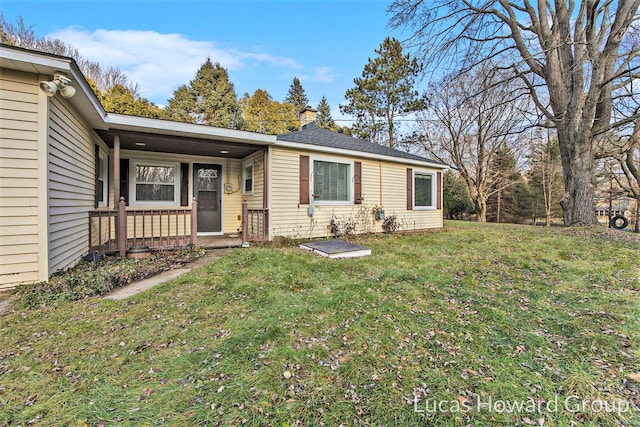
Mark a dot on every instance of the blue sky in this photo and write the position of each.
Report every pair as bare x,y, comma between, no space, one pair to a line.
160,44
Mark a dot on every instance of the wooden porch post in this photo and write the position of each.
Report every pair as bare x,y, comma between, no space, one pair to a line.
116,169
194,221
122,227
245,222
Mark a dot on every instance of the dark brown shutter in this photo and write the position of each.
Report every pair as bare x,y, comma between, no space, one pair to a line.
184,184
439,190
409,189
97,177
304,180
357,182
124,181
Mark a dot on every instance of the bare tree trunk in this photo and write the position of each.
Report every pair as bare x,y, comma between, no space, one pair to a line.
579,196
548,217
480,205
498,207
548,193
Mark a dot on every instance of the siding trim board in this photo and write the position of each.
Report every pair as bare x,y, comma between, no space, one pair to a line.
43,185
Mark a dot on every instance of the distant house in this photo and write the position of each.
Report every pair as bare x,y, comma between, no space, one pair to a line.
75,179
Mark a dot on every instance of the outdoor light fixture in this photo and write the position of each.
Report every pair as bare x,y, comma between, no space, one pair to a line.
60,83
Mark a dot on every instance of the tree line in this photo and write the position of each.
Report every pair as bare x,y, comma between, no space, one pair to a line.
530,105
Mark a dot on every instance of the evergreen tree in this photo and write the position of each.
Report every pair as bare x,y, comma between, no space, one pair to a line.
455,196
296,96
323,118
383,93
120,99
209,99
260,113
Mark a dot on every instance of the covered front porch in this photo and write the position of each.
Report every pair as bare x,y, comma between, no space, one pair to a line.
166,189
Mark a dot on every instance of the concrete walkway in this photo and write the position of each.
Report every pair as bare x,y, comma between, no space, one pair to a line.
136,287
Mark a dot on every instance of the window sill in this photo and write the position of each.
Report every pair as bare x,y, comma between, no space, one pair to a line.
331,203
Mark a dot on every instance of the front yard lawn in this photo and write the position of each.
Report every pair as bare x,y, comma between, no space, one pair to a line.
477,324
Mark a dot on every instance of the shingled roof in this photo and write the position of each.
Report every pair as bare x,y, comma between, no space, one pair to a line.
314,135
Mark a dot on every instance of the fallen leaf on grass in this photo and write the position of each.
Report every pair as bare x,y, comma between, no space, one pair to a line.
635,376
464,401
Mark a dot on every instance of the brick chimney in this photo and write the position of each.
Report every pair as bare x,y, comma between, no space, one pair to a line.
307,115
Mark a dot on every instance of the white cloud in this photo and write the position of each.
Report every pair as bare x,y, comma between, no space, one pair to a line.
270,59
159,63
320,74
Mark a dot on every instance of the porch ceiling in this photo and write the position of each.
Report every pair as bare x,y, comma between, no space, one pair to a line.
156,143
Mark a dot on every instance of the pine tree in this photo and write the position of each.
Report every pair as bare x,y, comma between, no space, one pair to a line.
455,195
209,99
260,113
120,99
323,118
384,92
296,96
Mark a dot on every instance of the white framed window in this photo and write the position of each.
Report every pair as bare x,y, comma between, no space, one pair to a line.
154,183
331,181
424,190
247,178
102,189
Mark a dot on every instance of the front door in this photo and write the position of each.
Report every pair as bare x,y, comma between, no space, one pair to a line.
207,189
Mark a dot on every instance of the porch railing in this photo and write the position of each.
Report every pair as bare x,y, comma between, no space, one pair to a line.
115,231
255,224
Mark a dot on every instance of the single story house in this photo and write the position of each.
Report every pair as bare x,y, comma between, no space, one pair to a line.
75,179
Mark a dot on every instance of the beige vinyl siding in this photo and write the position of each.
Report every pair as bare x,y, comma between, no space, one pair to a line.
394,184
19,178
71,184
255,199
232,202
383,183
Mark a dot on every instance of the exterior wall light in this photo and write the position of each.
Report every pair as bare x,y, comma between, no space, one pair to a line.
59,83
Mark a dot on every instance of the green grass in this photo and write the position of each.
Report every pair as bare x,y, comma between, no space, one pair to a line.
276,336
